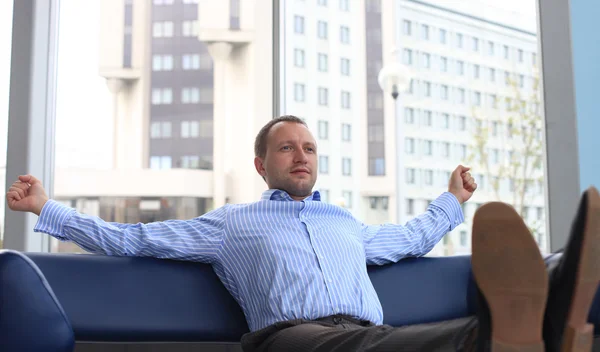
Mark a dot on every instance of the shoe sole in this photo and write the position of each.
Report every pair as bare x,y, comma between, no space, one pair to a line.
578,334
510,272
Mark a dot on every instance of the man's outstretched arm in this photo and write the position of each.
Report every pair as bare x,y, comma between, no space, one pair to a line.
389,243
197,239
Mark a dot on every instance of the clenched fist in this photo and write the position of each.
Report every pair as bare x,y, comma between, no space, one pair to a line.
462,184
27,194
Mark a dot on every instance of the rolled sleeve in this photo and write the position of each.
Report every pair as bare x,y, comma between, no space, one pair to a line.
52,219
448,203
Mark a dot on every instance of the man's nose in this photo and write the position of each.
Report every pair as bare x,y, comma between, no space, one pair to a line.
300,156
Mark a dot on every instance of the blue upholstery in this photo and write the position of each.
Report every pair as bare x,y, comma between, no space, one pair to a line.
123,299
144,299
31,318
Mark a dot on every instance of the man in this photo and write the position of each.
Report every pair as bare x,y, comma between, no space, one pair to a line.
297,266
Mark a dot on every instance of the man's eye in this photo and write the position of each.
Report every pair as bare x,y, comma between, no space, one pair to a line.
312,150
287,147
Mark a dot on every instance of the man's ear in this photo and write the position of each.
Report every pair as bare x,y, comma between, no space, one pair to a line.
260,168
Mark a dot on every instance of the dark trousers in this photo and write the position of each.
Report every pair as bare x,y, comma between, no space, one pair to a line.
342,333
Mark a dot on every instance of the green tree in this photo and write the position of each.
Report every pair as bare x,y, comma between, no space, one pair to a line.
508,144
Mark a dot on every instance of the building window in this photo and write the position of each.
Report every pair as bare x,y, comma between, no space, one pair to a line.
344,34
299,95
160,162
445,121
461,96
346,132
491,48
190,129
322,29
407,57
345,5
475,44
444,64
196,61
376,166
189,28
462,123
375,100
459,40
460,68
463,238
426,60
506,52
428,177
160,129
323,129
323,96
424,32
521,81
443,35
190,95
162,29
162,62
477,99
347,195
345,67
324,195
444,92
427,89
427,118
409,145
427,148
322,63
299,24
492,75
161,96
476,72
299,57
409,115
446,149
463,152
520,55
410,176
190,162
407,27
322,2
346,166
534,59
323,164
345,100
410,206
375,133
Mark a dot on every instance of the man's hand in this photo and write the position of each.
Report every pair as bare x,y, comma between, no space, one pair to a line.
462,184
27,194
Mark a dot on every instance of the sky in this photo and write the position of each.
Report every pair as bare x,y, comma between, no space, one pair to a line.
84,105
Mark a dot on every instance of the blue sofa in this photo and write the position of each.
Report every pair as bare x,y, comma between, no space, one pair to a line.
49,301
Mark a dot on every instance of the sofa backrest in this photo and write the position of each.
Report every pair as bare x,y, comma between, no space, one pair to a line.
123,299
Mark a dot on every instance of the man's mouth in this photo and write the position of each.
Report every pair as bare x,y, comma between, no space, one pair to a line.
300,171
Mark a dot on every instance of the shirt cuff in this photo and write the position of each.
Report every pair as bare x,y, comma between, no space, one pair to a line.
448,203
52,219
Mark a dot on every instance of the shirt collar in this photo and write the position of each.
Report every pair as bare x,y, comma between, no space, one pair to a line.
277,194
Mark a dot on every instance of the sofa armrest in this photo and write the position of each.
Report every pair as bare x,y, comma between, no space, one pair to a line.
31,317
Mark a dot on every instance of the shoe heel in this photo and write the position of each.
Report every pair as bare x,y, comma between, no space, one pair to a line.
578,340
498,346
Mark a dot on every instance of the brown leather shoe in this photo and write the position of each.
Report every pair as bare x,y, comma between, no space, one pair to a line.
510,273
574,281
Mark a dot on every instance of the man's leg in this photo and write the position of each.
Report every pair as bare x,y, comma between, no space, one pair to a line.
318,336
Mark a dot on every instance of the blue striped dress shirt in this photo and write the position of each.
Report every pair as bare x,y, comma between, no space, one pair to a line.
280,259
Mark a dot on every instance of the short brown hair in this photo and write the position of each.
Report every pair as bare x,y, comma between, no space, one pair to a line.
260,143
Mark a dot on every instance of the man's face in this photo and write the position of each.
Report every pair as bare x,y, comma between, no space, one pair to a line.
290,163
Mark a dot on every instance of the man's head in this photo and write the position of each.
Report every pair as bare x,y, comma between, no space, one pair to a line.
286,156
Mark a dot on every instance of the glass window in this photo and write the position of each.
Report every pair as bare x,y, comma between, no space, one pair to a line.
345,67
323,96
426,60
424,32
409,115
443,35
409,145
427,118
443,64
427,148
347,166
323,164
345,100
322,29
476,73
323,129
322,63
299,24
299,92
407,27
346,132
299,57
189,28
345,5
407,57
410,176
344,34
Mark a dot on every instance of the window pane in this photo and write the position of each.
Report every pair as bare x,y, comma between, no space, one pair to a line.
6,22
154,129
